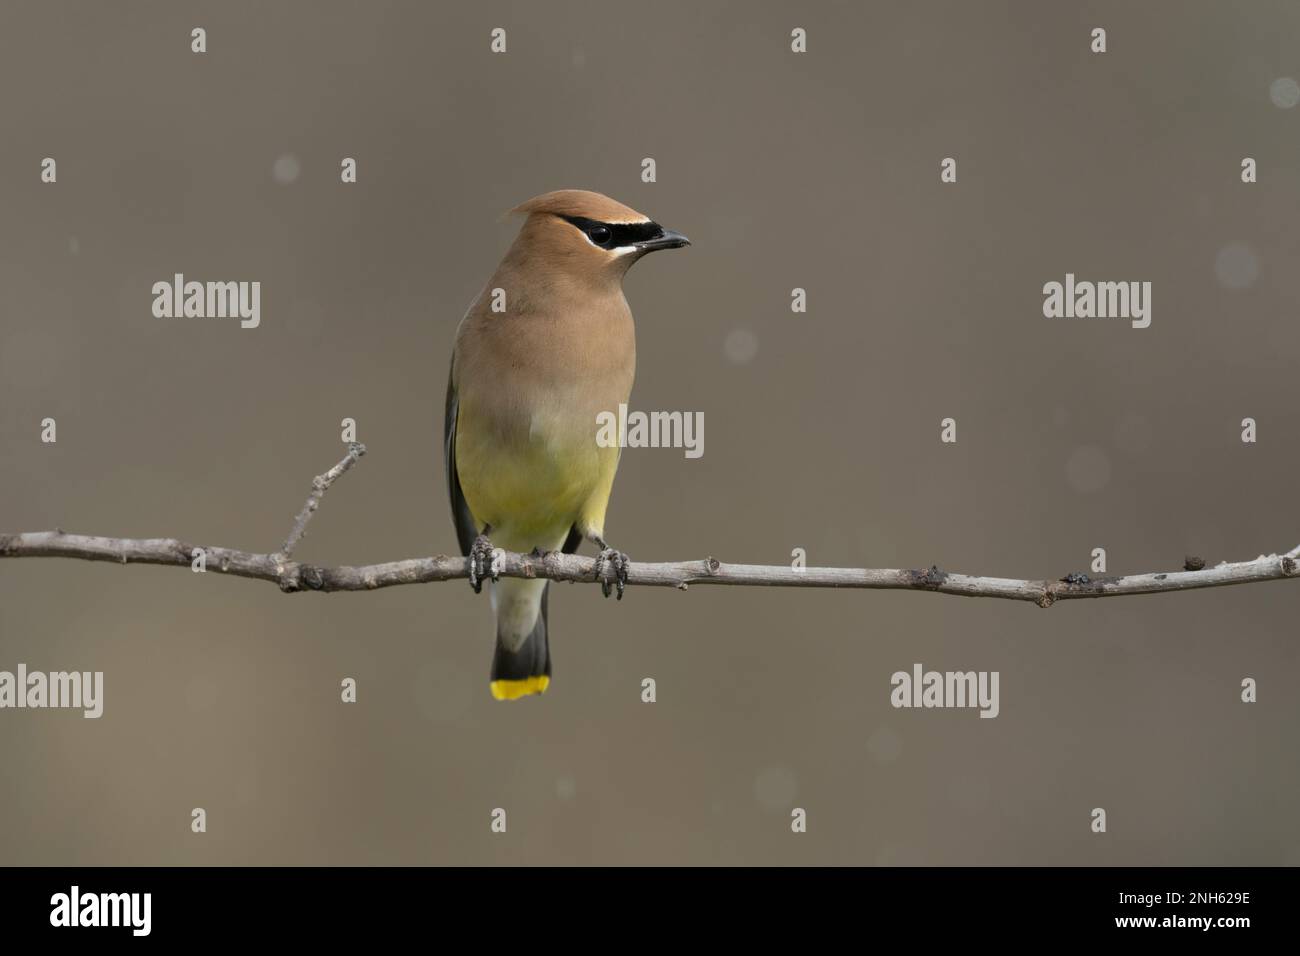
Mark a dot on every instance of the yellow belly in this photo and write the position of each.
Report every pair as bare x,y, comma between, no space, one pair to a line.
532,485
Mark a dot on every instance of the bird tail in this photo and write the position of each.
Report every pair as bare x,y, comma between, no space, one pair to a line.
520,668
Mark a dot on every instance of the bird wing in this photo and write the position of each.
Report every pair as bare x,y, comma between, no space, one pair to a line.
466,528
573,541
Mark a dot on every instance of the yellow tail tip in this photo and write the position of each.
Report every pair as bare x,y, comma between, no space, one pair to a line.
514,689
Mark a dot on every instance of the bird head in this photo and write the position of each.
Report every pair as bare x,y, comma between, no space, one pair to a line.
590,234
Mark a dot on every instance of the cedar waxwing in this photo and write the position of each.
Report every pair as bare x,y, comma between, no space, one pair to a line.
527,384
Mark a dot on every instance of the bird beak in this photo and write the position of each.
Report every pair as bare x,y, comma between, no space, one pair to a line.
669,240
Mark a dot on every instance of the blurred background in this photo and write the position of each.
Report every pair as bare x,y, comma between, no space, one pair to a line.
818,171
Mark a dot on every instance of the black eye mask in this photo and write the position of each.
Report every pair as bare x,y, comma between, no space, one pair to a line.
612,235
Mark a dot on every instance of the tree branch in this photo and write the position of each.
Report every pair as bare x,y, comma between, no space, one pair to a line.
293,575
319,485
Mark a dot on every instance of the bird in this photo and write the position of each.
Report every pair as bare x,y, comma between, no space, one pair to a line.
547,347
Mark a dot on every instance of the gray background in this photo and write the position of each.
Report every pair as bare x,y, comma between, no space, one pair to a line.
925,300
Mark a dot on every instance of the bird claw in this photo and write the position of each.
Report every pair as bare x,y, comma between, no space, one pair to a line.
619,560
482,563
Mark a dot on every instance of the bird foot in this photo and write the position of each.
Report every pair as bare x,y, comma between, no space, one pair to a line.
483,563
619,561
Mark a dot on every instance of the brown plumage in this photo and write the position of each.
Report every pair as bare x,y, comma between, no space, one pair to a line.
527,385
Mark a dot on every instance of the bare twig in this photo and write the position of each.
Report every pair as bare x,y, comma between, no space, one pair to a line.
293,575
319,485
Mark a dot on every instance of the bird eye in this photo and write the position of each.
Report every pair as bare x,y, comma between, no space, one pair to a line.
600,235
